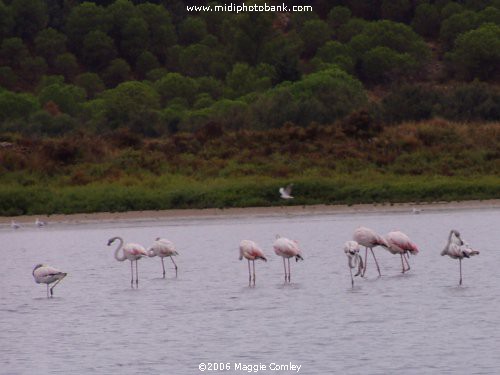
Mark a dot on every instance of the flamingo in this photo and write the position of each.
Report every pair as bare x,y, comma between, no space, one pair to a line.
45,274
287,248
351,249
251,251
14,225
369,239
456,248
163,248
132,252
286,193
39,223
399,243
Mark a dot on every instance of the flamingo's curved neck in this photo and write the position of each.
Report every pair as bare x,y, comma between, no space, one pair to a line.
120,245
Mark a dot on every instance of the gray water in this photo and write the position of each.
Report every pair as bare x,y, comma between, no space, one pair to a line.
418,323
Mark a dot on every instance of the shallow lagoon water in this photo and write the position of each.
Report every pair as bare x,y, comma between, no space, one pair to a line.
418,323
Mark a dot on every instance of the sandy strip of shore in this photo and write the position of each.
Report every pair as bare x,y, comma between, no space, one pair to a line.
210,213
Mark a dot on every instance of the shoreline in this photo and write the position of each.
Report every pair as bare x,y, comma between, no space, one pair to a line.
213,213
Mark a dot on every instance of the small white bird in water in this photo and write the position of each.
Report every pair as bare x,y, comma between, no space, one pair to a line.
44,274
286,193
14,225
39,223
456,248
354,260
416,211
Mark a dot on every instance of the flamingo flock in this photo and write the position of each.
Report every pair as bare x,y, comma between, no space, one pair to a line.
395,242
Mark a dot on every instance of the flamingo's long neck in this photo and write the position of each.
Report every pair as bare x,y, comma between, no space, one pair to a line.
351,258
120,245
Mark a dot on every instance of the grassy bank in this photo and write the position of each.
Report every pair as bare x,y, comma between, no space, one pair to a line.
241,192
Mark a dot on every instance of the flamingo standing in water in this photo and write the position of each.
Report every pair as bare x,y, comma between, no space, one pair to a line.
369,239
251,251
163,248
456,248
132,252
287,248
351,249
44,274
399,243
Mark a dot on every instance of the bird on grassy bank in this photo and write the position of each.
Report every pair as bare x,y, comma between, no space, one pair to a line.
287,249
456,248
251,251
369,239
354,260
163,248
132,252
399,243
44,274
286,192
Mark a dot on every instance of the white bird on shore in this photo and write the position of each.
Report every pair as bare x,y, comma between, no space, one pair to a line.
163,248
132,252
44,274
39,223
456,248
286,193
354,260
14,225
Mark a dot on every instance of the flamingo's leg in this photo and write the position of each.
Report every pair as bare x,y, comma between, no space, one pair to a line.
378,268
289,270
163,266
249,274
175,265
402,263
136,273
366,262
284,266
47,290
407,260
460,262
132,273
53,286
253,263
352,279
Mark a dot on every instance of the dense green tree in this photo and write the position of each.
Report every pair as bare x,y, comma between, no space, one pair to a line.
339,16
16,106
6,20
67,97
98,50
384,64
145,63
129,104
410,103
30,17
192,30
244,79
118,71
91,83
67,65
455,25
175,85
427,20
13,51
8,78
314,34
477,53
49,43
396,10
83,19
32,68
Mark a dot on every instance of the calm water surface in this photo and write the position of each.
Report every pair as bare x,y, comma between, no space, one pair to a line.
418,323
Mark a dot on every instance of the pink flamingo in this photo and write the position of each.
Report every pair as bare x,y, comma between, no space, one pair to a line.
44,274
369,239
163,248
251,251
351,249
132,252
399,243
287,248
456,248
